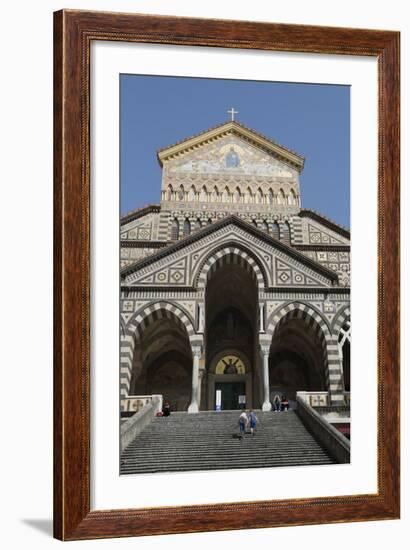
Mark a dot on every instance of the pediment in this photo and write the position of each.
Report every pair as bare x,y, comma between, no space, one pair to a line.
179,265
215,145
229,156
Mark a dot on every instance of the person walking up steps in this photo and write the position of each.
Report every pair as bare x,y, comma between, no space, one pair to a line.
253,420
243,422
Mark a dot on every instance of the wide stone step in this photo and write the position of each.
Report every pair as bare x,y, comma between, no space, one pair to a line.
208,441
214,446
155,468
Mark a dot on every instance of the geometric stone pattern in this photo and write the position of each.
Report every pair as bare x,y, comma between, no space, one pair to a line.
312,319
241,201
205,174
336,260
141,229
181,266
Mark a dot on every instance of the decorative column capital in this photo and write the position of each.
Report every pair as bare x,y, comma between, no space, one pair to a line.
265,349
196,351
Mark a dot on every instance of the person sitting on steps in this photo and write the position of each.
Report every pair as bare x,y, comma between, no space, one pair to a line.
276,403
166,409
284,403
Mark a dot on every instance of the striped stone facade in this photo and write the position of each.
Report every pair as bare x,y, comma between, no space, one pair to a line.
251,219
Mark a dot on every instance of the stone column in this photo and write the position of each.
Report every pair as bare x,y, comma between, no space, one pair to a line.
201,318
334,372
266,405
261,318
194,406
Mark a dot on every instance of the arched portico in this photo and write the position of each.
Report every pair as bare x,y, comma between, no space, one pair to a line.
342,334
230,279
233,254
300,353
159,352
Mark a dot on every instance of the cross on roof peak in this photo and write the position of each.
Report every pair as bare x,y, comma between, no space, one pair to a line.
232,112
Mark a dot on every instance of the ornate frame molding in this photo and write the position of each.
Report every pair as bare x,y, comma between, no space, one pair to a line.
73,33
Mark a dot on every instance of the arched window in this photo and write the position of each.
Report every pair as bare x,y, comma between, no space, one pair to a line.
344,353
181,193
187,228
226,196
237,195
286,233
203,197
215,194
281,197
198,224
265,226
275,230
259,196
292,197
174,230
270,196
249,195
192,193
170,192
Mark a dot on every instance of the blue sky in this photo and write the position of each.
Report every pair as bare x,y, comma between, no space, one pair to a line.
311,119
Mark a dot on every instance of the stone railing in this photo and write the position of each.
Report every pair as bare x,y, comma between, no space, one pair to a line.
332,440
315,398
322,399
134,425
133,403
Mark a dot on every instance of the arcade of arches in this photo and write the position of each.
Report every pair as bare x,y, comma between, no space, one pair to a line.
231,358
231,291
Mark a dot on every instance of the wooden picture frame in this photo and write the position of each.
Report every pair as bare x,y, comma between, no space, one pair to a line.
74,32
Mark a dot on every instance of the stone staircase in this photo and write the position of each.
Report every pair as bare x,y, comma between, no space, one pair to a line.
208,441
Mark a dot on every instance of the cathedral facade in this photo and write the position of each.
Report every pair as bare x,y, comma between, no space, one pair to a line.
231,292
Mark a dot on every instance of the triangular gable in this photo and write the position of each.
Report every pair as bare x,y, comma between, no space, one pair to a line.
232,127
322,230
178,264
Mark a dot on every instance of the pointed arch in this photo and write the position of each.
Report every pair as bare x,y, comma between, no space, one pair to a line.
340,319
187,228
139,322
317,323
198,224
275,230
203,196
292,197
170,192
298,310
143,317
249,195
286,233
226,195
215,194
265,226
192,193
237,195
270,196
281,197
231,254
259,196
181,193
174,230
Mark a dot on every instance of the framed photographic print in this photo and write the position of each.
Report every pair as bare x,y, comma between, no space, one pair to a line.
207,284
